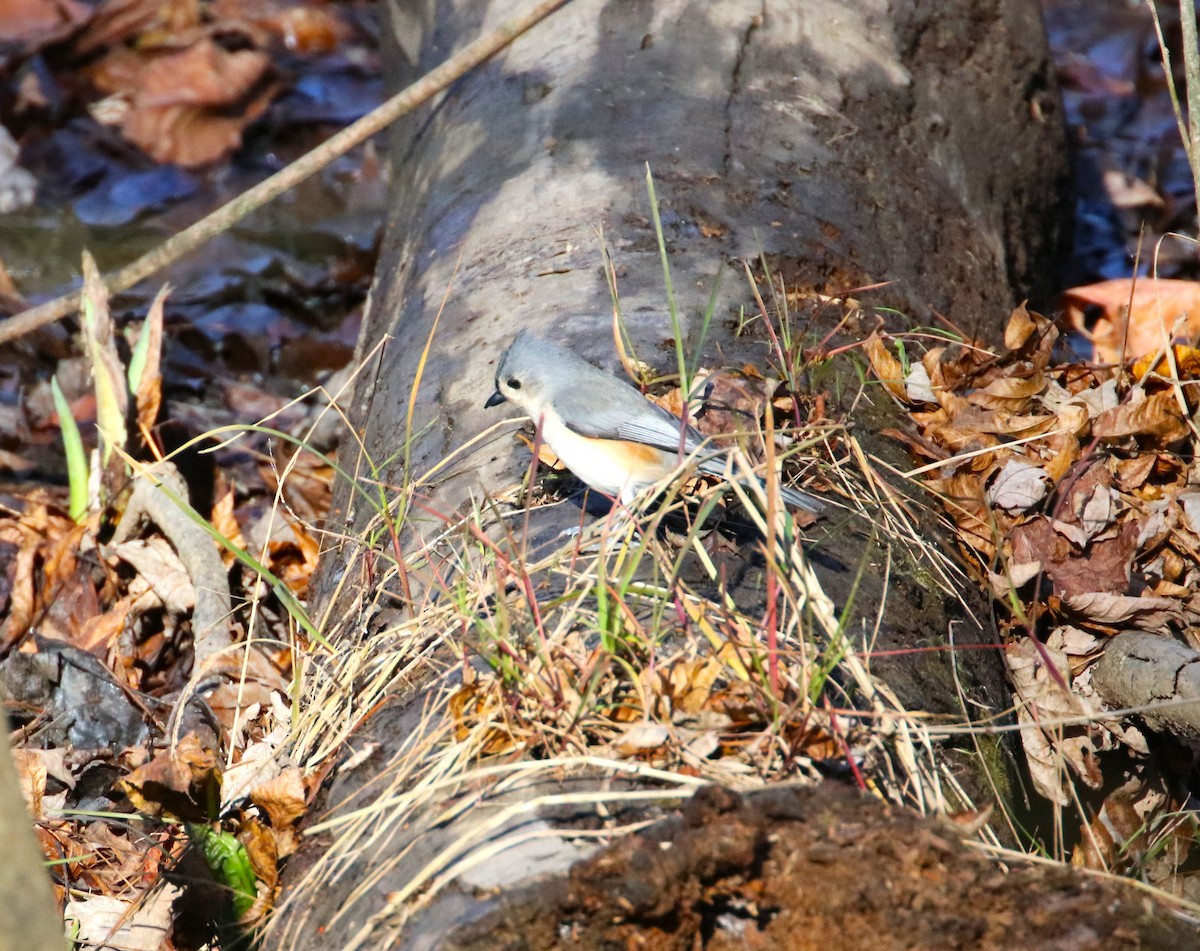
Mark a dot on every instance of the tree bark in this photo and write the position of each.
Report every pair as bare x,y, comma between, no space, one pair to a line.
29,915
1154,675
843,143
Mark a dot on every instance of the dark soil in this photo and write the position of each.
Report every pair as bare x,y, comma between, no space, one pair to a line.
823,868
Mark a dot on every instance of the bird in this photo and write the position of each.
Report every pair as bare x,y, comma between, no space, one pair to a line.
602,428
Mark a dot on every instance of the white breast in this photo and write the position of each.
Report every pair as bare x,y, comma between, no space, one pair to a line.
611,466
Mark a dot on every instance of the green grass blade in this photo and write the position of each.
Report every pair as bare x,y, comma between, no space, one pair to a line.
77,465
685,381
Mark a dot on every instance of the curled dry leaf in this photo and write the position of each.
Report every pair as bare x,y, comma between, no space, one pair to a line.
732,408
284,798
1137,316
1021,327
1115,610
1045,709
117,21
1131,474
1097,511
1018,486
1102,566
302,28
1155,417
142,923
689,683
177,781
262,849
1011,394
1033,338
641,738
478,706
160,579
918,387
1063,450
962,496
1078,646
191,106
699,748
99,633
1013,577
886,367
148,395
34,23
1180,364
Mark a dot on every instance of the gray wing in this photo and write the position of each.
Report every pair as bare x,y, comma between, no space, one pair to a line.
603,407
612,409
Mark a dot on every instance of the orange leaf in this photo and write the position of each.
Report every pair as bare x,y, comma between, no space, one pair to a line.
886,367
1135,317
1156,416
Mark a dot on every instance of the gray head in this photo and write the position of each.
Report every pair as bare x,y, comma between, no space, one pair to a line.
531,370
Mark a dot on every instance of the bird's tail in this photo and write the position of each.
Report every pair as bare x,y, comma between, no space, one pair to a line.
799,499
793,498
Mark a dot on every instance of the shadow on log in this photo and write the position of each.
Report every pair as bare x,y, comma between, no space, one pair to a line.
843,144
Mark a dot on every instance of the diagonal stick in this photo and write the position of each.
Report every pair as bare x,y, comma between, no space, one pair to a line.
234,211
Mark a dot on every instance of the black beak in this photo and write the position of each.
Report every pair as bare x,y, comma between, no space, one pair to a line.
494,400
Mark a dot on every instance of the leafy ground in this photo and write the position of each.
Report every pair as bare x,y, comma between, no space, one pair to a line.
1064,461
135,118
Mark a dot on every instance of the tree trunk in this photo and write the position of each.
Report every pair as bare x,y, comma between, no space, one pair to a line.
29,915
844,143
841,143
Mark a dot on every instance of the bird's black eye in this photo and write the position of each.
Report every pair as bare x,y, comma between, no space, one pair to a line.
514,383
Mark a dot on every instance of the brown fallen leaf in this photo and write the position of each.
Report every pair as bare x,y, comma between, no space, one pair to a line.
284,798
1045,704
1032,339
1156,417
262,849
1117,835
1021,326
1018,486
979,526
1101,567
1182,363
160,578
148,398
191,106
732,409
99,634
1064,451
116,21
1012,394
1131,474
140,923
886,367
34,23
1115,610
689,682
641,739
180,781
1136,316
303,28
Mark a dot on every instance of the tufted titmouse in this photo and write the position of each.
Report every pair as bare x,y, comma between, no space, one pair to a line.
603,429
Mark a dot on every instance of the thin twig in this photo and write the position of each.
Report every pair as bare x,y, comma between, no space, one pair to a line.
231,213
1191,71
1189,124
